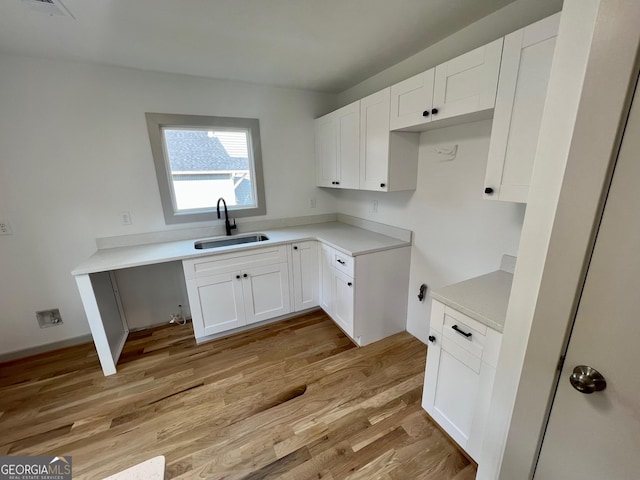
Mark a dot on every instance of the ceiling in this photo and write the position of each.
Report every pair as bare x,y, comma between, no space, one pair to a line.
323,45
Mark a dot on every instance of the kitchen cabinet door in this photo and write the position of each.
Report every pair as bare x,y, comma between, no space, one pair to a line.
388,160
266,292
412,100
337,148
343,304
326,278
305,266
217,303
468,83
524,76
326,151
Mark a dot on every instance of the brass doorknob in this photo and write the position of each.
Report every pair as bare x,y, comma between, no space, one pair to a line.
587,380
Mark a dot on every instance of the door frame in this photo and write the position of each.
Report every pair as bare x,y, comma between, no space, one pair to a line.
562,216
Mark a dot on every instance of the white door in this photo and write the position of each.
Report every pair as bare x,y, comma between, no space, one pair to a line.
266,292
597,436
216,303
374,141
305,275
411,101
468,83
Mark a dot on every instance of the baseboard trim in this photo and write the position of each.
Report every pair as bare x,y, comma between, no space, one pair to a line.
48,347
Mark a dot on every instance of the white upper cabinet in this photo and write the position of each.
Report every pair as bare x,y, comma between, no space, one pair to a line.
388,160
524,76
462,89
412,100
467,84
337,148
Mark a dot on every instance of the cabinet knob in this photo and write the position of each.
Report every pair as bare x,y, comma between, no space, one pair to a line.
432,339
425,113
349,283
488,190
382,185
434,111
295,247
333,183
238,277
245,275
337,183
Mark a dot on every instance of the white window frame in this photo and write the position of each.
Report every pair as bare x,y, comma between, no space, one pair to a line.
157,121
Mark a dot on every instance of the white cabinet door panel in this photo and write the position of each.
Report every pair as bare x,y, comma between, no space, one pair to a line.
266,292
524,76
305,265
348,125
374,141
410,99
219,303
343,307
467,83
326,151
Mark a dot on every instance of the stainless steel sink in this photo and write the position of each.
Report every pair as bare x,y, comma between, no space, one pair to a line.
226,241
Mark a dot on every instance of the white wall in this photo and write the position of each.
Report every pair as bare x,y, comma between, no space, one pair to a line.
74,152
457,234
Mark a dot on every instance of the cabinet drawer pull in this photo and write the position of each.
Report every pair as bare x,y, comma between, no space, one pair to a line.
349,283
341,262
468,335
432,339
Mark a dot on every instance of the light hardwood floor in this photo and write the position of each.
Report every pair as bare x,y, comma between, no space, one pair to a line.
294,400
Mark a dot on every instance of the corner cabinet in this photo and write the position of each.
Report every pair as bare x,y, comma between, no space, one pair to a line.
524,76
462,89
461,365
337,148
228,291
365,295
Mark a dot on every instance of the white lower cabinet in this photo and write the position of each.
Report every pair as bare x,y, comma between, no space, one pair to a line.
366,295
461,365
231,290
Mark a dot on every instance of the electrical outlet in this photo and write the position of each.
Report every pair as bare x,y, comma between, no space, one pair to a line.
5,228
312,202
374,206
125,218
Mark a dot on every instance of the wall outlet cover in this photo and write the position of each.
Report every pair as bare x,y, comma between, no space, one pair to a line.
5,228
49,318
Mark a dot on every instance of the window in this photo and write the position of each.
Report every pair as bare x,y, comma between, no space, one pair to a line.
200,159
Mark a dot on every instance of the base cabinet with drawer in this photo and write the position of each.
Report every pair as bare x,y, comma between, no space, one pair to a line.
461,365
365,295
228,291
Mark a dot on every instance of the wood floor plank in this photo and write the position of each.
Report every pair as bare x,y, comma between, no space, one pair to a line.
291,400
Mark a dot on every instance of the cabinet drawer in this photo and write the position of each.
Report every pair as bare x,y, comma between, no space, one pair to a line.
463,335
343,263
228,262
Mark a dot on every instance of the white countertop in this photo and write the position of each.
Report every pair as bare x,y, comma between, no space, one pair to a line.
484,298
346,238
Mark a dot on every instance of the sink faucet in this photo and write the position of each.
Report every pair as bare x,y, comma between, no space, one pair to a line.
228,227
